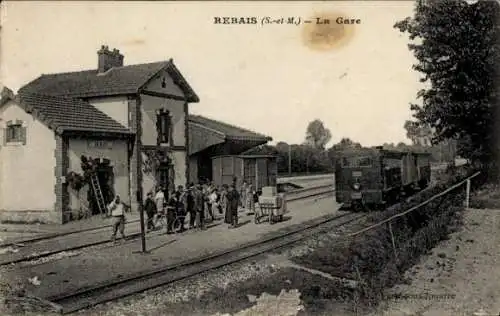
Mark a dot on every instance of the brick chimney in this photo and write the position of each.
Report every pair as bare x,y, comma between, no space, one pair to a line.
108,59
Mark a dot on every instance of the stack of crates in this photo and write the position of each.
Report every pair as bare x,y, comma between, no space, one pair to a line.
272,202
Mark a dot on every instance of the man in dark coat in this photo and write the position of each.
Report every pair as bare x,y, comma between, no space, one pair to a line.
233,198
198,205
150,209
189,200
181,206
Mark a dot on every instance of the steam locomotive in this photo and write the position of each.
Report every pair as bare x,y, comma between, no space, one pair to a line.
379,177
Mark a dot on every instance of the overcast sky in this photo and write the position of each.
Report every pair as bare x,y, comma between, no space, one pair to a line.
265,78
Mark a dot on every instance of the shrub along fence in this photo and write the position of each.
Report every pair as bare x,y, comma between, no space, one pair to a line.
391,241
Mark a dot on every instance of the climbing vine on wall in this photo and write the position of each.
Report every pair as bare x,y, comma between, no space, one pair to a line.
75,180
153,159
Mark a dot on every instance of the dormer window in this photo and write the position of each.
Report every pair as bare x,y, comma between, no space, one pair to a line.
163,126
15,132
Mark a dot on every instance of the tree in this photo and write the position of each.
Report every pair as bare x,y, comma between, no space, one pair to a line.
282,147
317,135
411,131
345,143
283,159
458,54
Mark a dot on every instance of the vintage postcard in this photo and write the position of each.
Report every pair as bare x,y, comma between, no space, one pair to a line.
249,158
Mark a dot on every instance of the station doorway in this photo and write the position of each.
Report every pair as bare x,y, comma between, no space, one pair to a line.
165,178
105,176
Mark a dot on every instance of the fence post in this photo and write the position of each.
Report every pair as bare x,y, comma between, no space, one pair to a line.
467,193
393,242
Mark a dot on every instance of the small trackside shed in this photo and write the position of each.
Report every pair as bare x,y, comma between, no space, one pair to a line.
257,170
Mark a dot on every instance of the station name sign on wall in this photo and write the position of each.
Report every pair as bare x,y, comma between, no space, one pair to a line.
100,144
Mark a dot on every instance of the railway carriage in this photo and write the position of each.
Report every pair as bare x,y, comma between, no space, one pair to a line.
375,176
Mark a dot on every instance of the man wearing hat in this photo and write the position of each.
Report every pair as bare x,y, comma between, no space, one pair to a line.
150,209
198,206
233,198
190,205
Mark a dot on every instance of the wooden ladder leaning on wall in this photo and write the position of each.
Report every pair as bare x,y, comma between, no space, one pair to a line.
101,204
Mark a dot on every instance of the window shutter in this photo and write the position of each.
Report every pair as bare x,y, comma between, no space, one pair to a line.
158,128
4,136
169,130
23,135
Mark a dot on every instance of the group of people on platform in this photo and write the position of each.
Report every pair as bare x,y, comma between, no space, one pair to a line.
199,202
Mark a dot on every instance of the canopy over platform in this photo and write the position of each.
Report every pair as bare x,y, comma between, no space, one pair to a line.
217,138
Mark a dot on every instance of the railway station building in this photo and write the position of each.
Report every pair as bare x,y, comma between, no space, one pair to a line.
131,120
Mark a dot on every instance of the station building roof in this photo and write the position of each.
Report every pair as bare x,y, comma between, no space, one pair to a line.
220,138
122,80
65,114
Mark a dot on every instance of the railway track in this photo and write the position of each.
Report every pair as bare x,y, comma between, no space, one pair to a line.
14,258
292,196
115,289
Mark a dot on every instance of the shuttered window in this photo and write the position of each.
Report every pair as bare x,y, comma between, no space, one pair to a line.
15,133
164,127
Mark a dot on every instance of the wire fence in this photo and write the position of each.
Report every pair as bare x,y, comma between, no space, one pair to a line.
467,182
388,242
382,251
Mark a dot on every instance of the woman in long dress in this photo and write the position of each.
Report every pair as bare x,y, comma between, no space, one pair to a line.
160,204
243,191
249,200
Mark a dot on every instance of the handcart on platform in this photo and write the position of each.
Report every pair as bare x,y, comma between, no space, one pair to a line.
271,206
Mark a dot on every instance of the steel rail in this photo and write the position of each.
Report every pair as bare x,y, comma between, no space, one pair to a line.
60,234
115,289
112,290
35,256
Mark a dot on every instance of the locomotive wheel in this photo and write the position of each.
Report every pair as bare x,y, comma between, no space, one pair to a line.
423,184
357,206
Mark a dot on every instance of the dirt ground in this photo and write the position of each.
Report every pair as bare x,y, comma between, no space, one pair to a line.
461,276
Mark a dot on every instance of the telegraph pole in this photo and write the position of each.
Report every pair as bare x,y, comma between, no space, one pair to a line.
141,215
289,160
